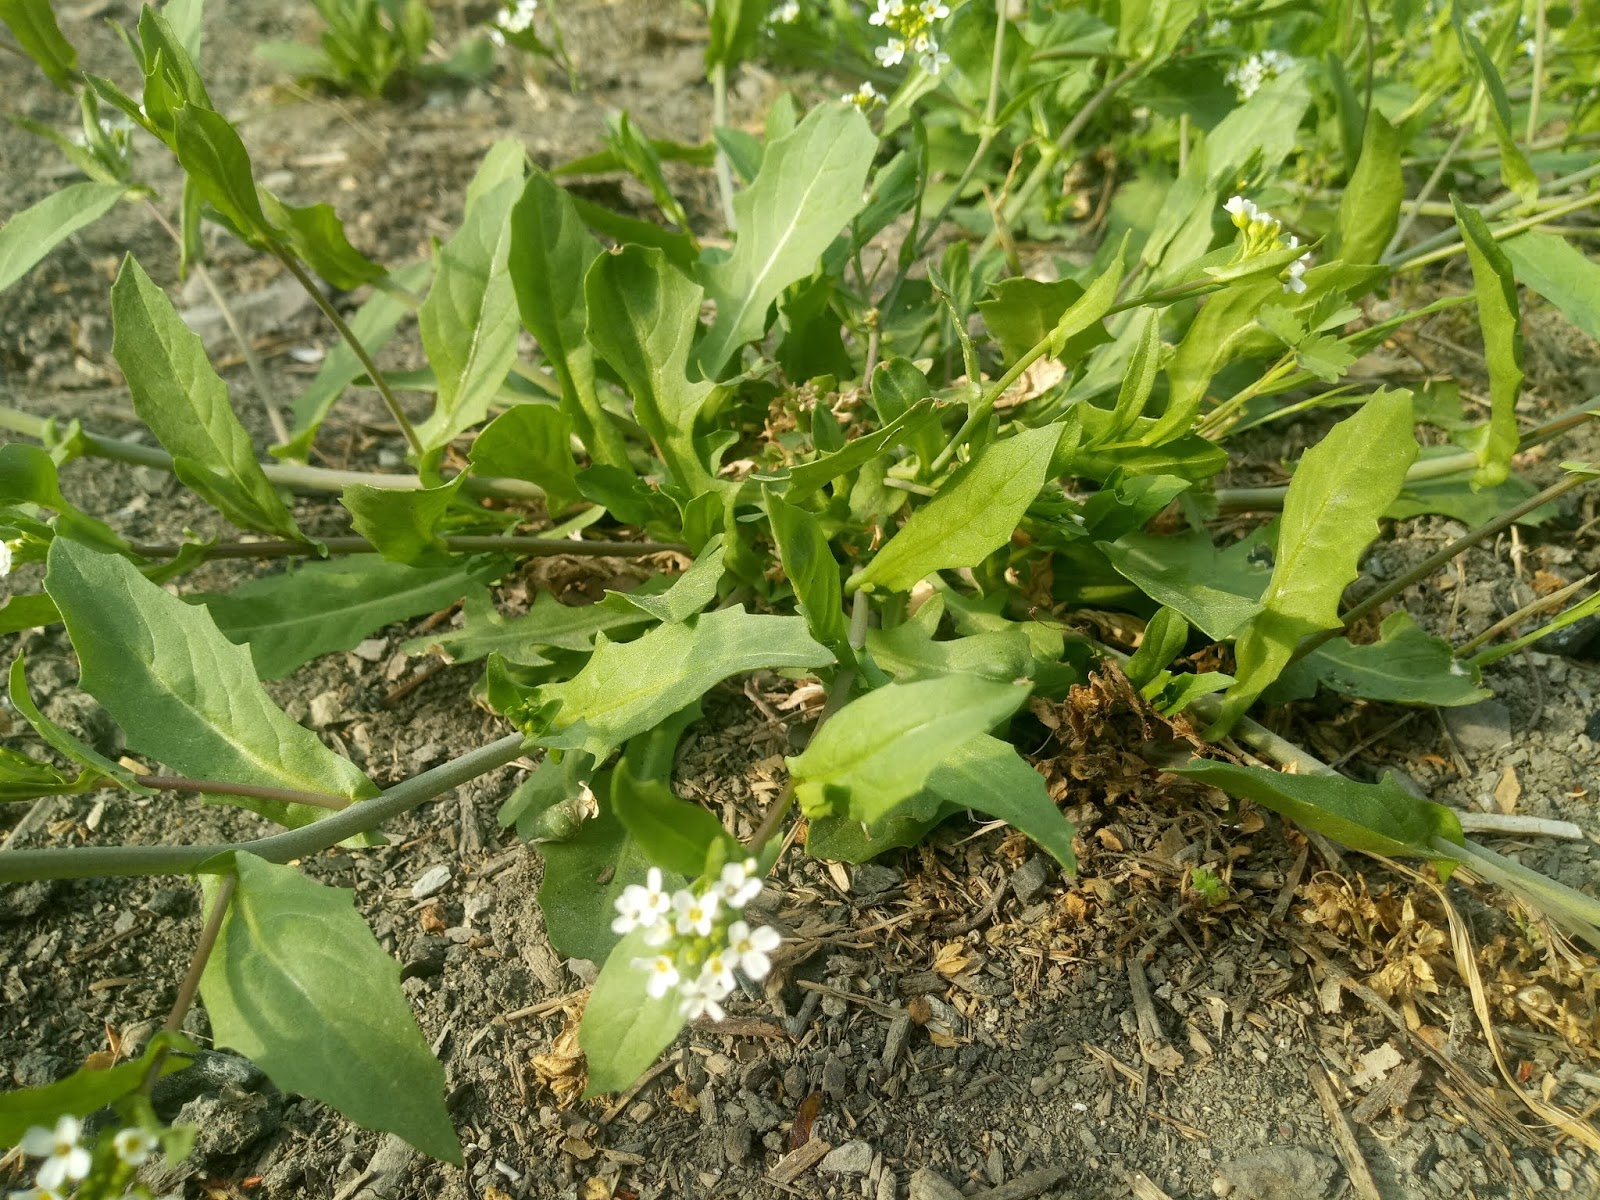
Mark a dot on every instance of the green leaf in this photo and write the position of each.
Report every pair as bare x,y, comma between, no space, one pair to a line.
1342,486
974,514
469,321
642,317
1376,818
317,235
210,151
628,688
1369,210
32,233
373,325
810,184
551,252
1164,639
805,480
531,442
638,157
1215,590
27,611
909,651
880,749
1515,171
1576,612
623,1029
403,524
89,1089
1022,312
1557,270
673,833
692,591
1404,666
549,623
183,693
24,778
1225,324
812,570
63,742
34,26
1496,290
298,985
989,775
28,476
1138,382
185,403
734,26
290,618
583,877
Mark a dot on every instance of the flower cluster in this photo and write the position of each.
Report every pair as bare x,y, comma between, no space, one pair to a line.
910,24
516,18
1261,234
865,97
1247,77
700,939
67,1160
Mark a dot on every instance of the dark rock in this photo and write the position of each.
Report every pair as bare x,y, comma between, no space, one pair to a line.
870,879
1031,878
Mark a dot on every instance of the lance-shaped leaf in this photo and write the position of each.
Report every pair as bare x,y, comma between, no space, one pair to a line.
974,514
28,475
673,833
551,252
906,429
24,778
531,442
1216,590
549,623
373,325
624,1029
211,153
183,693
813,571
1515,171
323,607
1378,818
469,320
810,184
689,593
1404,666
642,318
317,235
989,775
63,742
1496,289
630,687
34,26
1342,486
880,749
32,233
1369,210
1561,273
185,403
300,987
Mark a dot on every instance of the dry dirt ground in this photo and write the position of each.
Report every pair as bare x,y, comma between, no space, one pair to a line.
957,1020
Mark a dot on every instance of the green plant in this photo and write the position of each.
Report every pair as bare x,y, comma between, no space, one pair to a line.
896,476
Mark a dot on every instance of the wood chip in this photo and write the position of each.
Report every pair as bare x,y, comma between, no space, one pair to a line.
1153,1043
1344,1137
797,1162
1027,1186
1139,1183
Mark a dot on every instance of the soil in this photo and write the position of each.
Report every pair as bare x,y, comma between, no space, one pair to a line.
954,1020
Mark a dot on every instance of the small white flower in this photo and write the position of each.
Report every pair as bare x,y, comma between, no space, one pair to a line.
787,13
663,974
1295,284
888,10
696,914
933,60
520,18
933,10
642,907
495,36
892,53
1530,48
699,1000
717,975
736,887
1241,210
63,1158
864,97
751,948
5,558
134,1146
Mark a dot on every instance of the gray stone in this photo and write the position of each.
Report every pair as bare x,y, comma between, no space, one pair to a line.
928,1184
870,879
1031,878
852,1158
326,709
1281,1173
432,882
1480,728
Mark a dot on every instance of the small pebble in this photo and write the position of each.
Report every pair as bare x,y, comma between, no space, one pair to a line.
852,1158
433,881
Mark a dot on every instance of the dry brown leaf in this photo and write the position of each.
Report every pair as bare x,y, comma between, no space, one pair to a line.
951,959
561,1069
1508,791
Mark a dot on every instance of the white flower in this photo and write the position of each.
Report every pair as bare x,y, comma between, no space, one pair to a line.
663,974
700,1000
1248,76
696,914
888,10
717,975
5,558
933,10
751,948
1295,284
642,907
520,18
787,13
495,36
737,888
933,60
864,97
891,53
1530,48
1241,210
63,1158
133,1146
36,1193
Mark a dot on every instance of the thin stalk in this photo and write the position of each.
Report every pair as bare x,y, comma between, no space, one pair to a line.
280,430
1543,217
1438,559
391,402
525,547
1541,32
1494,209
1214,423
84,862
217,787
1540,603
719,119
1555,142
1417,206
289,475
190,987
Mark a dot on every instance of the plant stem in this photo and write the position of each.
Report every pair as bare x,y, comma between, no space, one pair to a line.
1438,559
1416,208
391,402
1540,33
217,787
190,987
525,547
1553,600
719,119
83,862
1494,209
229,318
1542,217
288,475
